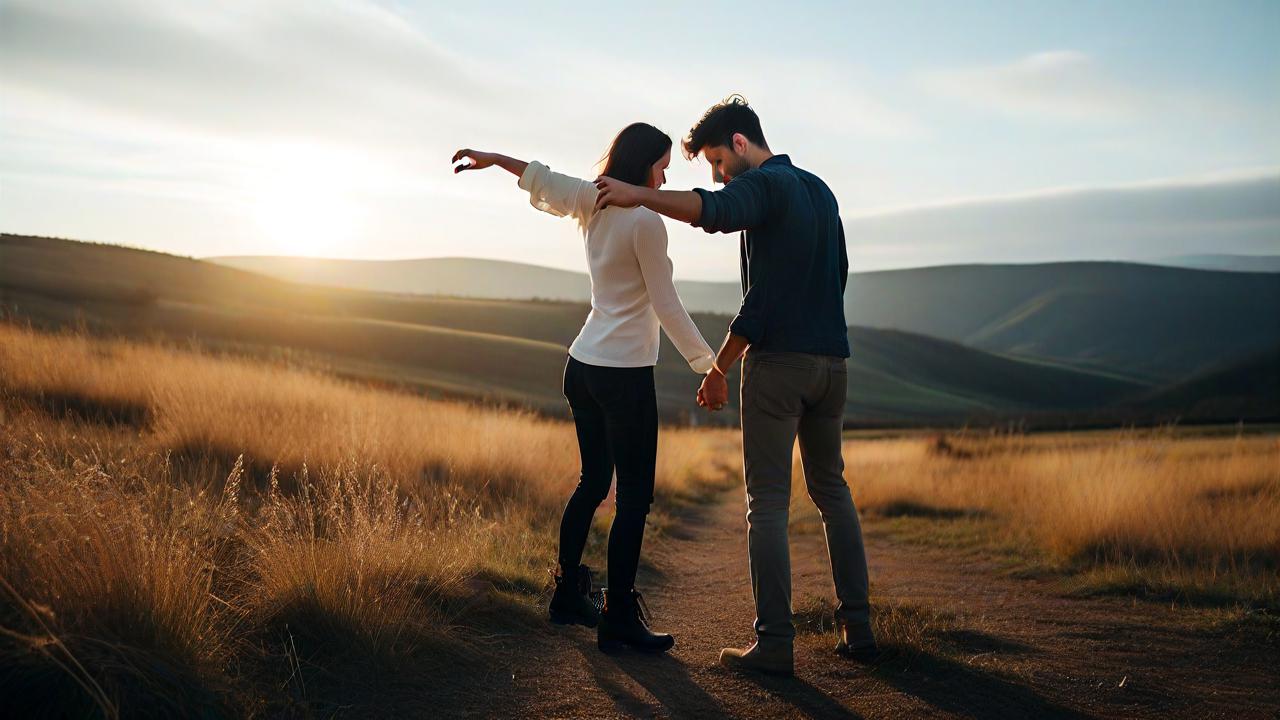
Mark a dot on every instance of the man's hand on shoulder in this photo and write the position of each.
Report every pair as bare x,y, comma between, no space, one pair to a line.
682,205
617,193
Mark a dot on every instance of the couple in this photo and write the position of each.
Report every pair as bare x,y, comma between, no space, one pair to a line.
791,328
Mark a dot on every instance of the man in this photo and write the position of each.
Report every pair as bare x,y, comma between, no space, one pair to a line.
791,327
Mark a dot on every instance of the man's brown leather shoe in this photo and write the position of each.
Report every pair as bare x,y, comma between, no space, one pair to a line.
775,660
856,642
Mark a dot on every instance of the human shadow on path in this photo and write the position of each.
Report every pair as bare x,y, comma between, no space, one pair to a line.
952,686
664,676
804,697
668,679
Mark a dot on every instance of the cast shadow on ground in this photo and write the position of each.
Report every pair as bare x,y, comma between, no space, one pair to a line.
956,687
804,697
667,679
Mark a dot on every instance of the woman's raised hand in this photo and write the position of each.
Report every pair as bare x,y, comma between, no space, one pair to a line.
476,160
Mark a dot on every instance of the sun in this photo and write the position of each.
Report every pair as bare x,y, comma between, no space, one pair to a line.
304,199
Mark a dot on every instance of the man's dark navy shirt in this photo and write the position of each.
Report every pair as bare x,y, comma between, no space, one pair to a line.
794,262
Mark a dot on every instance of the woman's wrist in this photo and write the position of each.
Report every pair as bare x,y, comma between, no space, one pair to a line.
510,164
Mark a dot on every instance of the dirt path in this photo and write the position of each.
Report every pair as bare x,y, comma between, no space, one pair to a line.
1014,648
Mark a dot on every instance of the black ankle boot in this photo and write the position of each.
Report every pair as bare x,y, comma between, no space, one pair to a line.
571,604
625,623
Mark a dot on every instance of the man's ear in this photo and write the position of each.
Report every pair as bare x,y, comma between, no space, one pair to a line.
739,143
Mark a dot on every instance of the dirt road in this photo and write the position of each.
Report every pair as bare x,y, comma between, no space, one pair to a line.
971,642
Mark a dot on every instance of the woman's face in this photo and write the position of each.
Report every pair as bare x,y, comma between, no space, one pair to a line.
658,173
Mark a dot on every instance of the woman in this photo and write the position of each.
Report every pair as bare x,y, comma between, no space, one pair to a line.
608,376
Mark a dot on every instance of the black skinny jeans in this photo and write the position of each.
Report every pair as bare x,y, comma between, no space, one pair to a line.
615,411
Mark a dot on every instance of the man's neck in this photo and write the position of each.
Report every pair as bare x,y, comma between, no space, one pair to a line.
758,156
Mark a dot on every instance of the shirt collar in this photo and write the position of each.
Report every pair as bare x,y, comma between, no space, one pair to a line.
783,158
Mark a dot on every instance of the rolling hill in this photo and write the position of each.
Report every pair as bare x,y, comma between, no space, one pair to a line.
499,350
1221,261
1157,323
1249,388
457,277
1150,323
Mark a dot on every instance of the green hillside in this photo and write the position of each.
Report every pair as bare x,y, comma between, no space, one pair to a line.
492,349
1158,324
485,349
993,381
1144,321
458,277
1244,390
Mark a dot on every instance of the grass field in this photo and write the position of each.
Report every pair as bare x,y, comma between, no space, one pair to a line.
219,519
196,529
1170,513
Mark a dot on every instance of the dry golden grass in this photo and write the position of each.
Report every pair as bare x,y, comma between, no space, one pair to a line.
207,533
1140,510
161,508
110,586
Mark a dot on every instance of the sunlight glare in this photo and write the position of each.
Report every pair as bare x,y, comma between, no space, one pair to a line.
304,199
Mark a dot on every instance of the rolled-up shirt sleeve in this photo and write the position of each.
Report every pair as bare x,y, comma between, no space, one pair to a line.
651,252
742,204
558,194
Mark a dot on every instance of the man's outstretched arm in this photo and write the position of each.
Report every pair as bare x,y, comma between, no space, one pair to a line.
682,205
742,204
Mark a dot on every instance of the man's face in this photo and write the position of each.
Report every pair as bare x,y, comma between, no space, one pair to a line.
726,164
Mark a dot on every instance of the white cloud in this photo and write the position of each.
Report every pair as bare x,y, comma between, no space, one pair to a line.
1064,84
810,95
1238,213
139,104
182,107
341,69
157,123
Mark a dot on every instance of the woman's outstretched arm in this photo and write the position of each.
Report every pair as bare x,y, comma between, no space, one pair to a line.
550,192
481,160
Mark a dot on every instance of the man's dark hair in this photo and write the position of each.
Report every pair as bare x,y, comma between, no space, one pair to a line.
634,151
718,125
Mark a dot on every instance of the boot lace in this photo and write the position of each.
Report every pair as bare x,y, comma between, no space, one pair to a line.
642,610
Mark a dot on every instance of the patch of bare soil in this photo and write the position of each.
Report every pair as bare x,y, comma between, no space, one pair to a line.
962,639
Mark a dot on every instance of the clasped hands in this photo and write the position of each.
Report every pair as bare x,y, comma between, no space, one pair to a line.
714,393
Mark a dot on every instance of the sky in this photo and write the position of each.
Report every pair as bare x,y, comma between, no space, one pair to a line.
949,132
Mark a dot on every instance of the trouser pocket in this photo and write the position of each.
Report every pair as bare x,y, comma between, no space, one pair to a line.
774,388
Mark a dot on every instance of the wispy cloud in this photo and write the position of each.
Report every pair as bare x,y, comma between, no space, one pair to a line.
1239,213
174,124
243,67
1063,84
191,103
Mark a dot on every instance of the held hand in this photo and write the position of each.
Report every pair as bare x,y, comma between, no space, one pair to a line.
478,160
714,393
616,193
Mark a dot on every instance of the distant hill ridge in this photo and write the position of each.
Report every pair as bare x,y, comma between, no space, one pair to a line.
1145,322
1222,261
495,349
